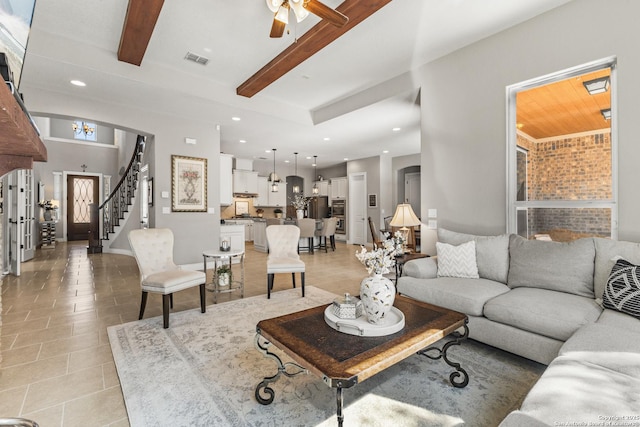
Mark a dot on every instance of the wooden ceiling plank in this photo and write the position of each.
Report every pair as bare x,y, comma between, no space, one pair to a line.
139,23
314,40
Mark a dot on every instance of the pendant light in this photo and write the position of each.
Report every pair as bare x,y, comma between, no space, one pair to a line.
315,189
273,177
296,187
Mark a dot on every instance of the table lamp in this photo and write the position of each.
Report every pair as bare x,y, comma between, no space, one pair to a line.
404,218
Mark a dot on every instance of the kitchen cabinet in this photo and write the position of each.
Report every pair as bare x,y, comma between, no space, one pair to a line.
268,198
245,182
263,192
279,198
338,188
226,182
247,224
235,233
260,236
323,187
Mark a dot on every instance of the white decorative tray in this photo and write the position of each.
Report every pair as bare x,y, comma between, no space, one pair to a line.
393,322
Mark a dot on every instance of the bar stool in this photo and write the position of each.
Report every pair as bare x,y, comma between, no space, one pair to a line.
307,231
328,230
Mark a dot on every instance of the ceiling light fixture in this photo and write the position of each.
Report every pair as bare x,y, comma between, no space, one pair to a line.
396,129
82,128
78,83
315,190
235,119
273,177
606,113
296,188
301,8
595,86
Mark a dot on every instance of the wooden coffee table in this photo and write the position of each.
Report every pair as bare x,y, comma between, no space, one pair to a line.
344,360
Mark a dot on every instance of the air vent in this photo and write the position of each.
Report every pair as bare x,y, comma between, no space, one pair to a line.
196,58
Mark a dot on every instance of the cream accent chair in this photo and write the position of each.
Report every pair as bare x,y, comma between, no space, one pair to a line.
153,250
307,231
283,254
328,230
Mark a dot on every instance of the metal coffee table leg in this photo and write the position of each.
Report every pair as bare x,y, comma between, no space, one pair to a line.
282,369
442,354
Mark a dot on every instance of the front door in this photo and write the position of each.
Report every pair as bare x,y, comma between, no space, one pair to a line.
82,190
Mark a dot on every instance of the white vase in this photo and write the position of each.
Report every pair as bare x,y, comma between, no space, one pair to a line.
224,279
377,294
300,213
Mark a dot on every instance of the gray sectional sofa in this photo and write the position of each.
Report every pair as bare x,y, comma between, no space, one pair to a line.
543,300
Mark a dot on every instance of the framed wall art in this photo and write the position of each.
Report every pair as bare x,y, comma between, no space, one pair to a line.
373,200
188,184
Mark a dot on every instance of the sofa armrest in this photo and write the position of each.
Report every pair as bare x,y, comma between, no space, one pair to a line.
422,268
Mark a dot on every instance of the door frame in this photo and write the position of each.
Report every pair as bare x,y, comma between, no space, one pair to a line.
63,201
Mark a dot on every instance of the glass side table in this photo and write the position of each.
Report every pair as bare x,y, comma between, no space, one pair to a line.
224,261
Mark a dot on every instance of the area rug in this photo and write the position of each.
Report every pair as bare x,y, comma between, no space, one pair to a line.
203,371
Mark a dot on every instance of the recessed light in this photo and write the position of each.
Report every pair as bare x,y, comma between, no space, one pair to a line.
345,159
385,151
235,119
267,151
308,157
78,83
242,141
286,161
396,129
326,138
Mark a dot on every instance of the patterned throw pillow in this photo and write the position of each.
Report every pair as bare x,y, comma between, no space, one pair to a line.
622,292
457,261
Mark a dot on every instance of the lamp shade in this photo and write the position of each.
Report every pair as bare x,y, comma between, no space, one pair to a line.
404,217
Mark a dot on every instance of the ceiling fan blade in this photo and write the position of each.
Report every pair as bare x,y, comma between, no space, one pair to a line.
277,29
325,12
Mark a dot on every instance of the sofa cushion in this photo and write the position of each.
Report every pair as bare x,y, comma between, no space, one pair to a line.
619,320
563,267
614,348
492,252
622,292
464,295
457,261
607,251
573,392
553,314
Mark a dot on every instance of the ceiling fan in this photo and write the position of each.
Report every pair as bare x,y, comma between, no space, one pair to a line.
301,9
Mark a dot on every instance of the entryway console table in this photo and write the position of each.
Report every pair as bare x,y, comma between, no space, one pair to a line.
224,259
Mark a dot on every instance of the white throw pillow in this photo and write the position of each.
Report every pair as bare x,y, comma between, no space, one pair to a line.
457,261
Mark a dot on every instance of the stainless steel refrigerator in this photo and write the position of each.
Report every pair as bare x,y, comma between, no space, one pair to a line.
319,207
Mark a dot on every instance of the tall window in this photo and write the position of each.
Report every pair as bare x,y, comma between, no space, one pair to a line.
561,155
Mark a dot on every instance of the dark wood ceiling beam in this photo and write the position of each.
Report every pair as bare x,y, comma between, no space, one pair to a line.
314,40
139,23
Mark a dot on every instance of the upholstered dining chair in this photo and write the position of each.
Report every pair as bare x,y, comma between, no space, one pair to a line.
328,230
307,231
375,235
153,250
283,254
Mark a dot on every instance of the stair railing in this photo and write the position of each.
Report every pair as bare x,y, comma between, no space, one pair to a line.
118,202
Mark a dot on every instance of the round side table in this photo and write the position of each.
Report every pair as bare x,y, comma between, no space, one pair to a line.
219,259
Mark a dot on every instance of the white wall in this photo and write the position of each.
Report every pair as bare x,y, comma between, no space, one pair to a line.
194,232
464,109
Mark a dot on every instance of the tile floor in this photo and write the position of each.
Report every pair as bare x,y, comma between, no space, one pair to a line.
56,366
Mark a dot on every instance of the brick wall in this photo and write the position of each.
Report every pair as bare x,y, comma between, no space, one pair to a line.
573,168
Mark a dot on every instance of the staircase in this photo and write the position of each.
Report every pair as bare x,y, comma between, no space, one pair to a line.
114,208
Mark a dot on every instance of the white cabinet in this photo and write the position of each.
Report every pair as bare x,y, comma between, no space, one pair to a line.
260,236
226,183
268,198
235,233
263,192
248,231
245,182
338,188
279,198
323,187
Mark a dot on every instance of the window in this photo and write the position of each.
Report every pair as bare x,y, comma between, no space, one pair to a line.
561,155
